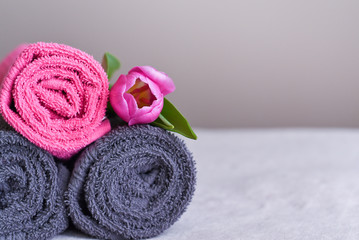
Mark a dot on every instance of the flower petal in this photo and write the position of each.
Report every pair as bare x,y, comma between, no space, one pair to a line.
147,114
131,80
131,104
163,81
117,100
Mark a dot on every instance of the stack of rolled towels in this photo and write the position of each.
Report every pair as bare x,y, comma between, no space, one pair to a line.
61,162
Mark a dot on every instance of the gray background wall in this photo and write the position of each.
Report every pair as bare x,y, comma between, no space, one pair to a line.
244,63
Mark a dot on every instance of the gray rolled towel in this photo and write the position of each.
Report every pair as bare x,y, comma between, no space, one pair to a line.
133,183
31,190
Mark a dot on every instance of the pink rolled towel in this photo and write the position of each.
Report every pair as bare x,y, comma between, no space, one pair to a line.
7,62
55,96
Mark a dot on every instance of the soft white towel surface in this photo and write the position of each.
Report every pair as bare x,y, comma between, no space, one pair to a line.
294,184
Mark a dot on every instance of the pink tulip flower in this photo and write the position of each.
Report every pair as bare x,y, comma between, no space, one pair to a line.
138,96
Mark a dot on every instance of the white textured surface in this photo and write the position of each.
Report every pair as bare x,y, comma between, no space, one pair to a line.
292,184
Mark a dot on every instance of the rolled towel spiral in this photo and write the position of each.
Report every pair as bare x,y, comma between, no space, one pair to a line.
133,183
55,96
31,190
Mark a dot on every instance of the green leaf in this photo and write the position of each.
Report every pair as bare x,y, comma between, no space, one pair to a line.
162,122
110,63
173,116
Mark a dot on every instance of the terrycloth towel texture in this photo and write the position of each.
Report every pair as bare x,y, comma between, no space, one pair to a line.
133,183
55,96
31,190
